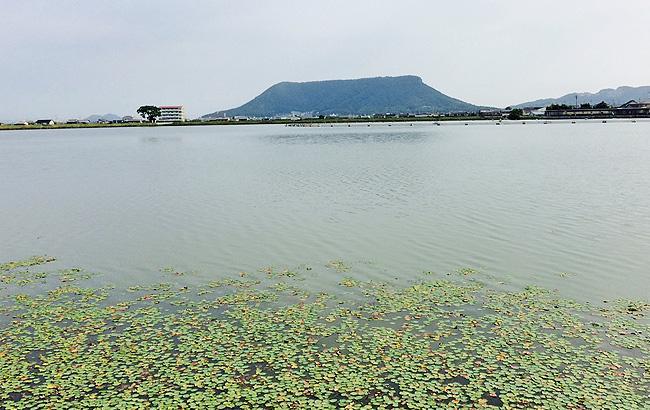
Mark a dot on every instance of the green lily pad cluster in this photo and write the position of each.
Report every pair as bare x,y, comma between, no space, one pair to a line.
24,263
17,272
338,266
263,341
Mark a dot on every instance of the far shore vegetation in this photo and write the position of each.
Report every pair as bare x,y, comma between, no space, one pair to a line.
330,120
303,122
151,113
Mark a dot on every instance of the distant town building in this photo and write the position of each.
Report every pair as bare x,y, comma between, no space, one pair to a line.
129,118
44,122
579,112
493,114
171,113
633,108
534,111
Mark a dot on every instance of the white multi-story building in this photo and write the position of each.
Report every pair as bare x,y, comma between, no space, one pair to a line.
171,113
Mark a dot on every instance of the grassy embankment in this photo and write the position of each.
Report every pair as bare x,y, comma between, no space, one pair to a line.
244,122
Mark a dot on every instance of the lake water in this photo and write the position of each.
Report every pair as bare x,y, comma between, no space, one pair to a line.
564,206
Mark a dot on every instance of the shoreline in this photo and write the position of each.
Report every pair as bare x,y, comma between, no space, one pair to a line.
330,122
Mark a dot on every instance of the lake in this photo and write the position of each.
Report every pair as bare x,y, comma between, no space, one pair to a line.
564,206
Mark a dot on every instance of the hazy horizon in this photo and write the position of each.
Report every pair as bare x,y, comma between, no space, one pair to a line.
72,59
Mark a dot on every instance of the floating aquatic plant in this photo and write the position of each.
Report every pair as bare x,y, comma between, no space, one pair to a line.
262,341
338,266
33,261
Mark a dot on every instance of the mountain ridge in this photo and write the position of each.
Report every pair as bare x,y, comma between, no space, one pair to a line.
361,96
612,96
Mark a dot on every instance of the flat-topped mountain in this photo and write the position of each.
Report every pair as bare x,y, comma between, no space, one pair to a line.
404,94
611,96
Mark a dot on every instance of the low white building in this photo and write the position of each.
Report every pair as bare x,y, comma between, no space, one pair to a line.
130,118
171,113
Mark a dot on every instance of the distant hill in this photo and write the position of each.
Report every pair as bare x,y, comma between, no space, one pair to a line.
108,117
611,96
405,94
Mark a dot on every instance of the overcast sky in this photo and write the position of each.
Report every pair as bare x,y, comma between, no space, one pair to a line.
66,59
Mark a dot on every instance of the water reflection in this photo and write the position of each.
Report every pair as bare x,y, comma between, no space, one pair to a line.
337,136
156,140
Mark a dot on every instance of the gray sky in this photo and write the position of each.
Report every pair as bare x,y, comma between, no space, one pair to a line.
67,59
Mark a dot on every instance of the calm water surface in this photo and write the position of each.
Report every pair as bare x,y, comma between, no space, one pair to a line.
565,206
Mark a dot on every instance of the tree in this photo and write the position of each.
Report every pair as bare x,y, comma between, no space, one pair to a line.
585,105
149,112
515,114
553,107
601,105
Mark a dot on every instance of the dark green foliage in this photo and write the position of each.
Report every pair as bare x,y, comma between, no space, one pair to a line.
515,114
149,112
553,107
380,95
602,105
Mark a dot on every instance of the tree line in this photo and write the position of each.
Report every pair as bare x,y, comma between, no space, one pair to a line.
600,106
